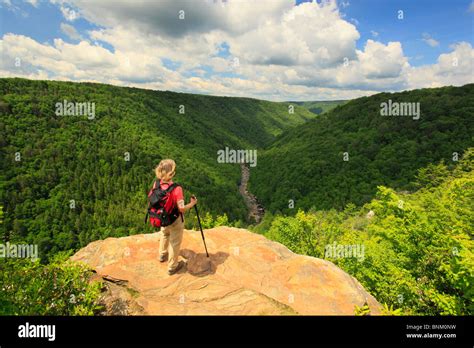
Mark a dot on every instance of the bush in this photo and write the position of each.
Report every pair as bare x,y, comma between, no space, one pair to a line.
61,287
418,248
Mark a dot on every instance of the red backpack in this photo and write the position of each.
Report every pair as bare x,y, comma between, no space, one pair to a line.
161,209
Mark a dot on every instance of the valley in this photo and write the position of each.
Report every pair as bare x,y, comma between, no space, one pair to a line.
70,181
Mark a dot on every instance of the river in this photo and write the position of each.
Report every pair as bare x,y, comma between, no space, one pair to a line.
256,210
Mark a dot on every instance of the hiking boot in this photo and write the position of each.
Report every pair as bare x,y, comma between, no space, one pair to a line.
163,257
174,271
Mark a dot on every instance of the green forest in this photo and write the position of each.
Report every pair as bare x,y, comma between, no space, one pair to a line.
341,156
418,247
70,180
319,107
401,188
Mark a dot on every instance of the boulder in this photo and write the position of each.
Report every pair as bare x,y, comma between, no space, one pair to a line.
246,274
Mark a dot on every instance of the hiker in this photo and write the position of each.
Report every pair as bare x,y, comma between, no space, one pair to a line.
172,222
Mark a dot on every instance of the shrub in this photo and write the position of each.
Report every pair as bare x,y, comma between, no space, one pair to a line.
61,287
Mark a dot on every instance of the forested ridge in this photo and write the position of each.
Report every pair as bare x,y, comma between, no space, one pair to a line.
342,156
399,190
415,251
69,180
319,107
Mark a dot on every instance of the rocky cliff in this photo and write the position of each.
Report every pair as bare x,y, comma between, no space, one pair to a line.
246,274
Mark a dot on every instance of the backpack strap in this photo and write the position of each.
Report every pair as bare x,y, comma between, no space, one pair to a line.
171,187
174,186
148,211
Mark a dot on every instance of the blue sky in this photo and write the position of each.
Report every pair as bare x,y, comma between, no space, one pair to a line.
429,29
445,21
41,22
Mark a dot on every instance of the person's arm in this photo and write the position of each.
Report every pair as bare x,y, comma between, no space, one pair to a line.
184,208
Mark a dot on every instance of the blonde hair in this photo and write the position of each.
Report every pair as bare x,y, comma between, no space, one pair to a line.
165,170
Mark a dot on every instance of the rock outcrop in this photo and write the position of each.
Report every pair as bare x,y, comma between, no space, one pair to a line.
246,274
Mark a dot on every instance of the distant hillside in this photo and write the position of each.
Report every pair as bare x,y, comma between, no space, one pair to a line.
69,180
343,155
319,107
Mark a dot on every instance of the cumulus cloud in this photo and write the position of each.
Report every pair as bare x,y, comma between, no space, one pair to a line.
376,67
275,50
308,34
177,18
381,61
82,61
454,68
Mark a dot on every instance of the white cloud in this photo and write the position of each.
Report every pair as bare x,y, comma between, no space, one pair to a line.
355,21
6,3
70,31
81,61
9,6
163,17
69,14
285,52
374,33
381,61
308,34
454,68
377,67
429,40
33,3
471,7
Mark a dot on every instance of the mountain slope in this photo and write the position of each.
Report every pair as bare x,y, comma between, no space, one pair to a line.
319,107
414,251
343,155
247,275
68,180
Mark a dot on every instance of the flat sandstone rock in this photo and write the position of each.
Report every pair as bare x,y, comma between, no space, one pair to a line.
247,274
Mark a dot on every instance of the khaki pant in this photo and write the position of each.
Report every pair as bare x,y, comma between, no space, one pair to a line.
171,238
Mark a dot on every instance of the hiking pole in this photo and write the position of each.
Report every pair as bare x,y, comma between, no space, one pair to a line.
200,227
